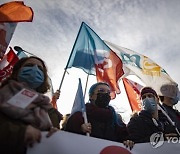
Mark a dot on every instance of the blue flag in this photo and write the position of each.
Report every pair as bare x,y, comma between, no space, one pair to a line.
79,104
91,54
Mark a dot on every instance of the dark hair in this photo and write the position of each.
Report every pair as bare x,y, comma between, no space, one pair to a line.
44,87
161,98
93,87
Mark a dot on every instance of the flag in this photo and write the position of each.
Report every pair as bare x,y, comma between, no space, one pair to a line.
10,14
7,63
6,33
54,102
133,93
21,54
91,54
143,67
15,11
79,104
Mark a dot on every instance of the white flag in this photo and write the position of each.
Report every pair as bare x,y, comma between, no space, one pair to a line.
143,67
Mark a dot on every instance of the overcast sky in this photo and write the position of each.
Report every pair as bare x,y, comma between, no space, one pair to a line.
149,27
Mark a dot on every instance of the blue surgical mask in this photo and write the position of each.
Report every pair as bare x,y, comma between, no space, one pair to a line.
150,104
32,75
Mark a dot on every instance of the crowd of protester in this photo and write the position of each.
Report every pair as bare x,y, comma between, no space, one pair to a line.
20,127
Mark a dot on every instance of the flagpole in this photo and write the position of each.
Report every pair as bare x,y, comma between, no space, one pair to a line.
62,79
169,119
65,70
87,79
127,95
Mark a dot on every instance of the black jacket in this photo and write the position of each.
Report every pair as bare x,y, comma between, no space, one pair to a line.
102,121
142,127
173,114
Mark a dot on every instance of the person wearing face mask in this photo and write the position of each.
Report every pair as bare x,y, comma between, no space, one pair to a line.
169,98
104,122
150,120
21,127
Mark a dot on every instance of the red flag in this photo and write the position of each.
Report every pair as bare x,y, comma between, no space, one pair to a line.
54,102
133,93
7,63
110,71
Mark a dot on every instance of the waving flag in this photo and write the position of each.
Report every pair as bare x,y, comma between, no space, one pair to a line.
91,54
10,14
7,63
133,93
143,67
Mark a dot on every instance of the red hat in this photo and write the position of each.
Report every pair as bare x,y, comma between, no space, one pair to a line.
148,90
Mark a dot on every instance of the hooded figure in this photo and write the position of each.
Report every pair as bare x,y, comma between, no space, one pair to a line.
170,97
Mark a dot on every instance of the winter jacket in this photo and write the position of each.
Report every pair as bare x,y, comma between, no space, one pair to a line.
103,121
142,126
173,114
14,120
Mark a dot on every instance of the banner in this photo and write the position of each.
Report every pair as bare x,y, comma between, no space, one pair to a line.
143,67
68,143
133,93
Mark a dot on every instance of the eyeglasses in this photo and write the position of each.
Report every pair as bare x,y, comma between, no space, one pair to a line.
102,90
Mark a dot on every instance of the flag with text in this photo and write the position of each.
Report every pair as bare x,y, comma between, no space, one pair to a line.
7,63
133,93
143,67
91,54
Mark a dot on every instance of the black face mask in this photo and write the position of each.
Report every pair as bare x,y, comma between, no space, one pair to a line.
102,100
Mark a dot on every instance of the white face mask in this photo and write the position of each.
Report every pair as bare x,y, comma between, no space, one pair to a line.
149,104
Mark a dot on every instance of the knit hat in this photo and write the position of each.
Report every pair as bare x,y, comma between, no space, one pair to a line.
93,87
148,90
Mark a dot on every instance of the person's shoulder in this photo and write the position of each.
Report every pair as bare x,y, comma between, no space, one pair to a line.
76,114
90,105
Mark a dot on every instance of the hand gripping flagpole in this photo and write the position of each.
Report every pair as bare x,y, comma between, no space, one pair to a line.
84,111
